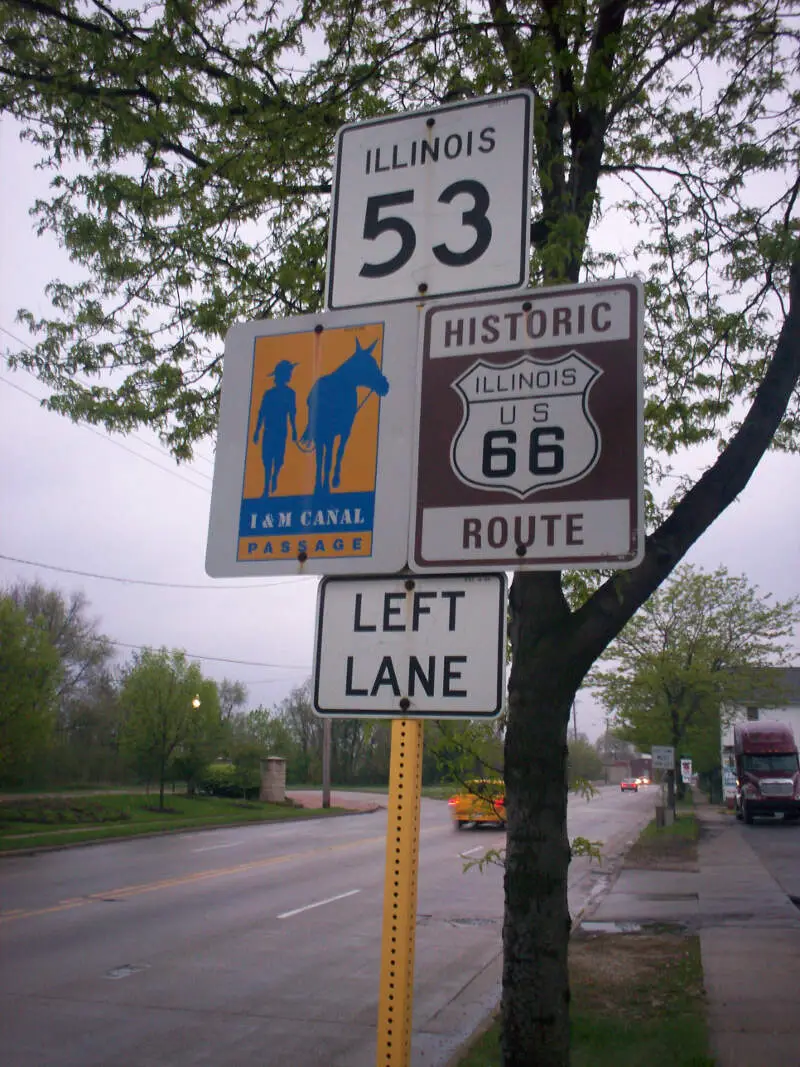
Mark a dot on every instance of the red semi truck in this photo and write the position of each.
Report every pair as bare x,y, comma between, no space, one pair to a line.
767,772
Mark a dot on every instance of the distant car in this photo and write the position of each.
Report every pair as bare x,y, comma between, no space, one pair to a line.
629,783
644,781
482,803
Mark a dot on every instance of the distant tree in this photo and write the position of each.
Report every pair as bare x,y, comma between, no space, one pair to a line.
89,749
351,741
30,674
583,762
305,731
466,750
232,698
267,729
696,644
204,739
611,745
247,757
253,737
170,710
85,652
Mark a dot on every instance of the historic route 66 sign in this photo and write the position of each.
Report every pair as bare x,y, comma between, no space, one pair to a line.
526,425
529,436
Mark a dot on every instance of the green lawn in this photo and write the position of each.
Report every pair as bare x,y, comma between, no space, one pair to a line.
671,847
440,792
636,999
57,820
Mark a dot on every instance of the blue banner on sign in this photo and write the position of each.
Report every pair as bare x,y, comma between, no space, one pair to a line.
307,514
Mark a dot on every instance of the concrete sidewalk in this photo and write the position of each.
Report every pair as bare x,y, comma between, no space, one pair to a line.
749,937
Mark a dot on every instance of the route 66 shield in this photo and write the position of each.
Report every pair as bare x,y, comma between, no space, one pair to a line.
526,425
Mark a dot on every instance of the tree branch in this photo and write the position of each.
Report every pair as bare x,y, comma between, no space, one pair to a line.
601,618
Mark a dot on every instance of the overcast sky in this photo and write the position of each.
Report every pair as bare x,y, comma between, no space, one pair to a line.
75,498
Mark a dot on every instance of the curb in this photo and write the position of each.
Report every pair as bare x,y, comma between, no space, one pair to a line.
35,850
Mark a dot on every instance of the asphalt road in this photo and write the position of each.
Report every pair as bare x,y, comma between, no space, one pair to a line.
777,845
257,945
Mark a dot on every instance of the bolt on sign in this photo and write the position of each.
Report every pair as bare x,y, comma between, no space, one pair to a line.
421,647
529,431
314,444
432,202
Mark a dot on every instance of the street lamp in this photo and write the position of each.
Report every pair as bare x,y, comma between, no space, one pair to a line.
196,702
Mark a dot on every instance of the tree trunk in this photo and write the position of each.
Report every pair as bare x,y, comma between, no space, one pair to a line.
544,679
678,788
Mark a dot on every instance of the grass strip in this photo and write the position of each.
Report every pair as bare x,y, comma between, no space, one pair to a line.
636,999
667,847
48,821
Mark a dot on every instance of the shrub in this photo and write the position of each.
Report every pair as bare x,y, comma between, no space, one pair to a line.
57,810
227,780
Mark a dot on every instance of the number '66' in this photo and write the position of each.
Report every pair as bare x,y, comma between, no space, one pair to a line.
377,223
545,455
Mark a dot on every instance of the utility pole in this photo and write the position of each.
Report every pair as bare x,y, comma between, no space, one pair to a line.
574,720
326,763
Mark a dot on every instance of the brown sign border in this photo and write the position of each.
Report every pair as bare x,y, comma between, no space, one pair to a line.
616,404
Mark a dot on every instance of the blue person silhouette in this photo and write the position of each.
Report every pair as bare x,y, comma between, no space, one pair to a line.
276,415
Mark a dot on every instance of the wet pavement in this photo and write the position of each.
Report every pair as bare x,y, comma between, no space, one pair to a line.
748,925
749,931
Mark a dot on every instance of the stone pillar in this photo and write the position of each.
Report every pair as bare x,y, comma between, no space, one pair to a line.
273,780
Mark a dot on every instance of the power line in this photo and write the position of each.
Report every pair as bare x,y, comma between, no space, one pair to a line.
222,659
144,581
264,681
147,444
113,441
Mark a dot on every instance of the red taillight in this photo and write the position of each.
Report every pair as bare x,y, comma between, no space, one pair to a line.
453,801
500,802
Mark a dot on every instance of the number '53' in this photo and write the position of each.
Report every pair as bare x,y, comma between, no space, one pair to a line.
377,221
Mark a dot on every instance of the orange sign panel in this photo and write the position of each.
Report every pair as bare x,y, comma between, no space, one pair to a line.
312,443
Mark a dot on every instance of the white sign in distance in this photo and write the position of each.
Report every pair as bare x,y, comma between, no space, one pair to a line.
663,757
686,770
433,202
529,450
411,647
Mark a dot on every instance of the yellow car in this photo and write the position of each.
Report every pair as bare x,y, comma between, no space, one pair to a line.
483,803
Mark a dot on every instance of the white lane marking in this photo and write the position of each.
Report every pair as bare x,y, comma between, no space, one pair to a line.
469,851
317,904
211,848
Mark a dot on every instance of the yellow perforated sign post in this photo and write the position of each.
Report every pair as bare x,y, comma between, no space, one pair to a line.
400,895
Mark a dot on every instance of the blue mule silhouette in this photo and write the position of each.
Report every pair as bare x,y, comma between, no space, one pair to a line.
332,407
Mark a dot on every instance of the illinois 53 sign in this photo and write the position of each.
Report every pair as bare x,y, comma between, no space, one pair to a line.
432,202
529,447
314,447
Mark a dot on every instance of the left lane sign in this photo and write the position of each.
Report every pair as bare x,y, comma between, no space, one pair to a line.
313,462
411,647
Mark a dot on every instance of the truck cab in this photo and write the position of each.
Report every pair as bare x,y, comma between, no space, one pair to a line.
767,771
